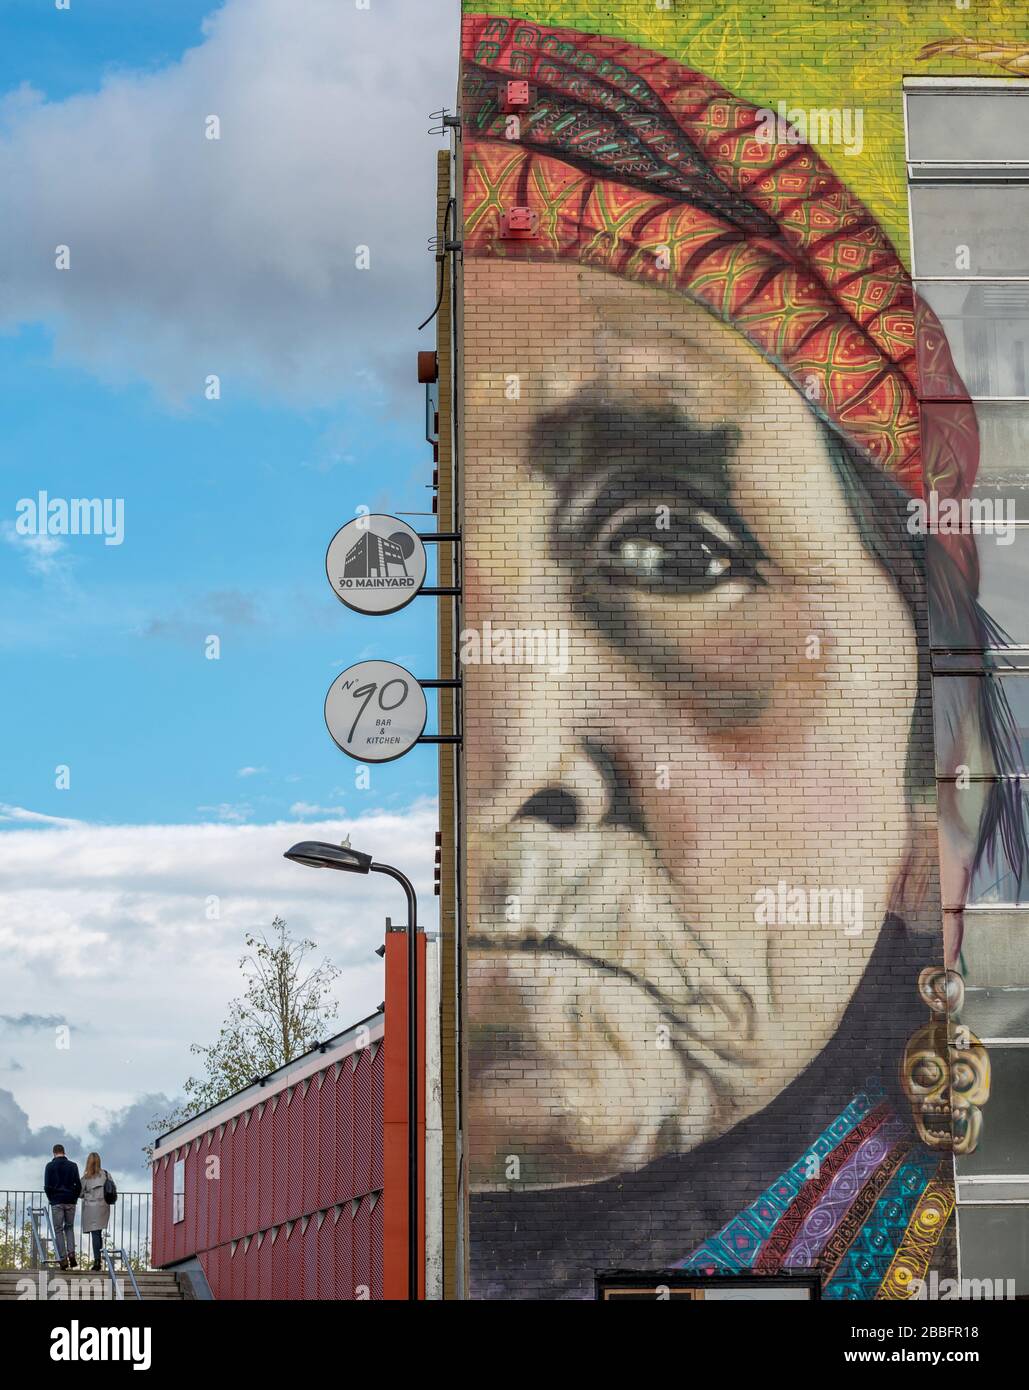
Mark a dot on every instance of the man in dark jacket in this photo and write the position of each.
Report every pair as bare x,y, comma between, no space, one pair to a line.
63,1188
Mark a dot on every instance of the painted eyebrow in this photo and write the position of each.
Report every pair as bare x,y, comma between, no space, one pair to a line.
589,433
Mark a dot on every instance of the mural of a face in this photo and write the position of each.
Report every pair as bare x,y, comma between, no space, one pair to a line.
733,714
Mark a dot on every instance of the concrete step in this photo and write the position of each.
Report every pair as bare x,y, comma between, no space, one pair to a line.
84,1283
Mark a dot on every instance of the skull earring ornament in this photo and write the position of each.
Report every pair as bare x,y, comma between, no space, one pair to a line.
946,1078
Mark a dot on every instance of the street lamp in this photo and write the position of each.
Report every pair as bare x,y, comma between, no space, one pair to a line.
317,854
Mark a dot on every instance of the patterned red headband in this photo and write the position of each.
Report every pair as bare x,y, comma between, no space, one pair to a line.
652,171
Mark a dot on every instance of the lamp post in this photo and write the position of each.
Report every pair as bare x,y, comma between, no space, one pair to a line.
317,854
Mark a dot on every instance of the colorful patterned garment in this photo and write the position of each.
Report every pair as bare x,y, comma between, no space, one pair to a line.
865,1205
650,170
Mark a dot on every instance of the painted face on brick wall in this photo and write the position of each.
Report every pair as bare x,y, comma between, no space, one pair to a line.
715,728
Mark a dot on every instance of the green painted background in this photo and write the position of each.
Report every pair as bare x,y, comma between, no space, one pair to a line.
815,53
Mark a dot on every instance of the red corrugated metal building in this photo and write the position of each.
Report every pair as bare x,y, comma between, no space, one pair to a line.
296,1187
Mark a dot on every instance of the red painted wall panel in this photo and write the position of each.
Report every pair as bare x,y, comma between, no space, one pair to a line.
253,1269
264,1178
326,1257
213,1185
202,1194
158,1214
377,1247
378,1074
280,1172
327,1139
343,1256
312,1107
237,1184
344,1134
363,1124
311,1258
265,1282
280,1285
251,1171
362,1249
295,1263
225,1187
194,1194
307,1158
295,1154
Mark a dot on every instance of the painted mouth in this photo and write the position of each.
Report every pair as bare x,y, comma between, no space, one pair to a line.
936,1118
729,1043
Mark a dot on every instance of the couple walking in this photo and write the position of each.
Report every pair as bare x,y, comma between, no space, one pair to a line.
63,1188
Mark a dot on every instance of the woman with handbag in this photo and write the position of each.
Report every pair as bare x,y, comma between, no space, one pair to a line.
98,1191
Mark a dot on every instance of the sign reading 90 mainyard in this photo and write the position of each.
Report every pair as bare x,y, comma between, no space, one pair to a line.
375,564
375,711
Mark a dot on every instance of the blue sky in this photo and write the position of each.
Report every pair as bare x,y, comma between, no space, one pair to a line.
72,51
229,506
189,258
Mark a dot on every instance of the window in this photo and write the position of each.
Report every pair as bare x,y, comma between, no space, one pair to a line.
968,184
966,129
973,232
996,690
987,327
179,1190
1003,555
1003,472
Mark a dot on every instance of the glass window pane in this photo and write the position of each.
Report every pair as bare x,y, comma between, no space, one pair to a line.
995,951
973,230
179,1190
1003,1146
993,697
1003,473
997,1013
972,126
1004,581
1003,590
998,882
987,326
994,1245
982,1190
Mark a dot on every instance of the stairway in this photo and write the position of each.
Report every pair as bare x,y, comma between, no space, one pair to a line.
83,1285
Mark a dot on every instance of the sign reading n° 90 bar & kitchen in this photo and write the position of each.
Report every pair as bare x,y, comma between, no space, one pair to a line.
375,711
375,564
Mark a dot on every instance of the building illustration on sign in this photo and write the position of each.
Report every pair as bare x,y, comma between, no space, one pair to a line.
371,558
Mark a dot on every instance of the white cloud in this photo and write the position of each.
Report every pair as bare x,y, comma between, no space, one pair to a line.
234,811
111,927
19,813
236,256
44,555
251,771
304,809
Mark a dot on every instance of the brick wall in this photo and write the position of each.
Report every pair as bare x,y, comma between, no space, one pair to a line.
700,810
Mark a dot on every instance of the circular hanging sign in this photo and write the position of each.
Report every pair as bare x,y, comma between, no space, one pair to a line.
375,564
375,711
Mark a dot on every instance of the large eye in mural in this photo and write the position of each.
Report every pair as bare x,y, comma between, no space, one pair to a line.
668,545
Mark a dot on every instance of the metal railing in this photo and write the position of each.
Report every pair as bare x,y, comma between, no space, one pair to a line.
127,1230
